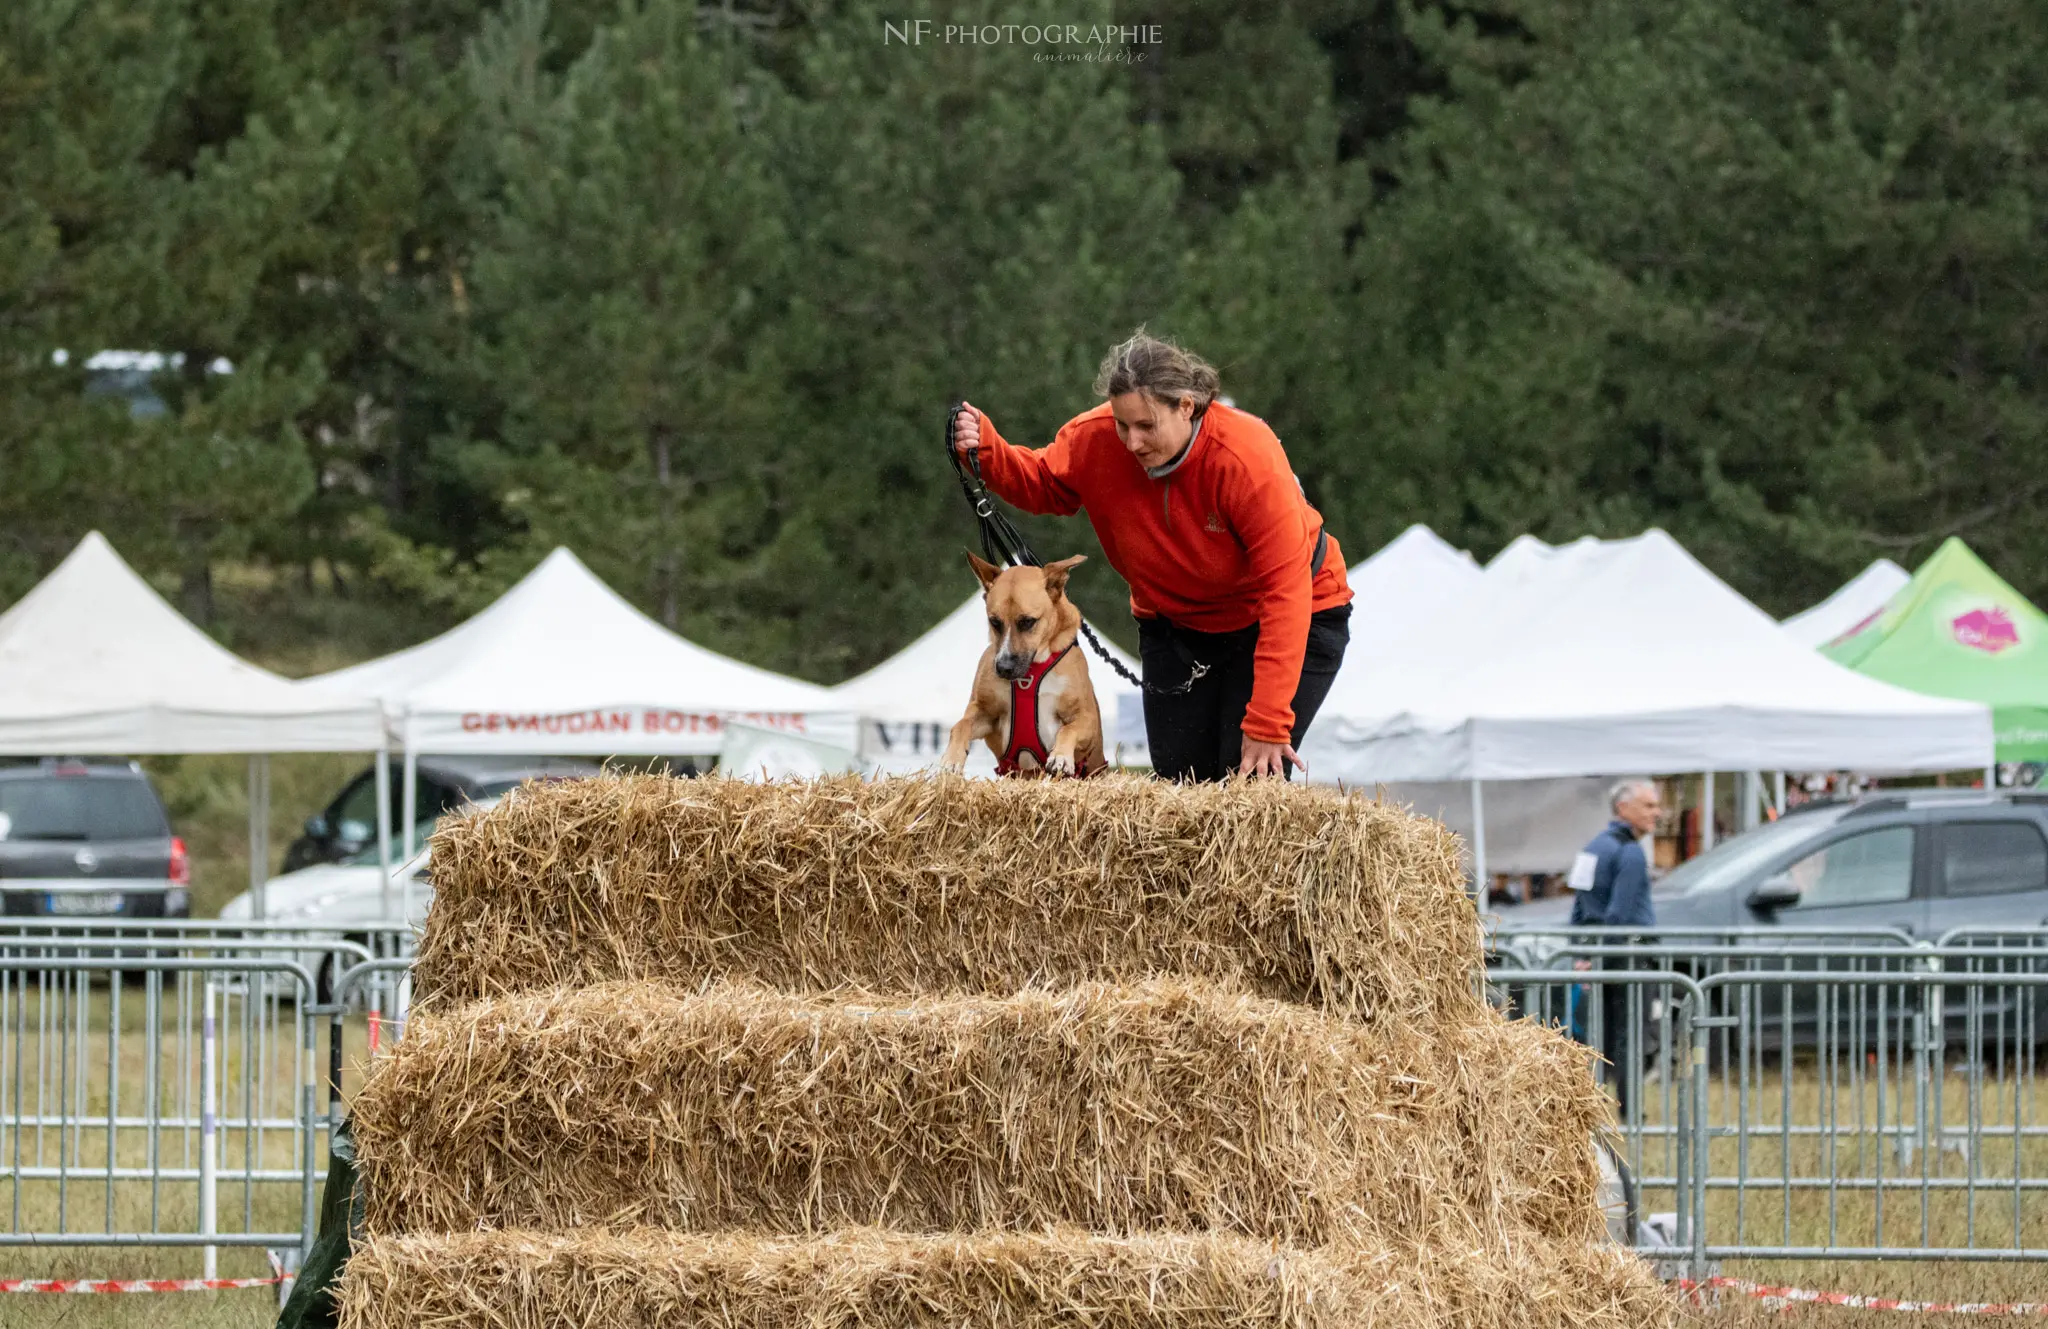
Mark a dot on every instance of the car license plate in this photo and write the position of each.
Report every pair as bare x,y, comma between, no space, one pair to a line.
85,902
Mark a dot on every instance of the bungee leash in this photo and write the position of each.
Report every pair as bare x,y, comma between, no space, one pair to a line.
1004,545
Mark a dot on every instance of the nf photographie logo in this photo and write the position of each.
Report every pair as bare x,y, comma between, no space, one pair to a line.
1050,39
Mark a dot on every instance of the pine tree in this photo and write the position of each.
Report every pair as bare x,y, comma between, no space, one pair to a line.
630,245
975,222
1740,269
149,218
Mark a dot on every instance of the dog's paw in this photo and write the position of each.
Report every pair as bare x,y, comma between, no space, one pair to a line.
949,766
1059,763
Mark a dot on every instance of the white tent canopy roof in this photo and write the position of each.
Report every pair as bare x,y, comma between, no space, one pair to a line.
1415,552
1413,602
93,661
562,664
910,701
1628,656
1860,597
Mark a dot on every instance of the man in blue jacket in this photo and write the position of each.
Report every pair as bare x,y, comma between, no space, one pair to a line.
1611,883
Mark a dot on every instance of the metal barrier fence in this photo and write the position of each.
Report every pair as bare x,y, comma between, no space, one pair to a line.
1797,1101
160,1085
158,1079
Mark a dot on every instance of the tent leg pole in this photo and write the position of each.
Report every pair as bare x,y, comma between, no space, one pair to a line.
384,824
1991,776
259,833
408,797
1706,811
1778,791
1478,846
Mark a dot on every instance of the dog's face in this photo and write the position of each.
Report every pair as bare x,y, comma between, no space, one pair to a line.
1023,611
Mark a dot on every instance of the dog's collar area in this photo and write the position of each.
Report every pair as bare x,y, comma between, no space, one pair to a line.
1040,669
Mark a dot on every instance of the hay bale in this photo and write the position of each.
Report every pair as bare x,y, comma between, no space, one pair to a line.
949,885
1530,1109
1164,1106
1053,1280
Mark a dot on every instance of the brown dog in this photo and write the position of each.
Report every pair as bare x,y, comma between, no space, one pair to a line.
1031,669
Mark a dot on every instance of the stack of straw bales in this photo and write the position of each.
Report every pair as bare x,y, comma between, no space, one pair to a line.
927,1053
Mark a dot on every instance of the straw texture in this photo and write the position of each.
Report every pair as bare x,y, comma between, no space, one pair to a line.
1055,1280
1168,1105
950,885
926,1054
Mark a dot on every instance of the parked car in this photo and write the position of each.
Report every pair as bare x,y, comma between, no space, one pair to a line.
346,900
1921,861
348,825
88,840
339,900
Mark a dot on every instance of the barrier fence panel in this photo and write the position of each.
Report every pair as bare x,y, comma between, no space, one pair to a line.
1802,1101
1659,1135
1536,948
1889,1117
1783,1100
156,1099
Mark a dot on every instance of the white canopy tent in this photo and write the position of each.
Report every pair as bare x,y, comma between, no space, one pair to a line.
94,662
910,701
1604,658
560,665
1415,604
1409,576
1857,600
1634,657
1417,601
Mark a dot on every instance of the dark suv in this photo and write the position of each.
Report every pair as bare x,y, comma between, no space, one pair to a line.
1923,861
89,841
349,824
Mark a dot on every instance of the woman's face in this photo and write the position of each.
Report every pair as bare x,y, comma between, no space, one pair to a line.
1153,430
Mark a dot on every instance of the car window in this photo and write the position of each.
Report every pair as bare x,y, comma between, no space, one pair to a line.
1992,858
1734,859
367,857
355,812
422,832
1874,867
80,808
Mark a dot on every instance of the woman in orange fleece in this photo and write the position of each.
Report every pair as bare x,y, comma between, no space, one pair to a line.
1243,611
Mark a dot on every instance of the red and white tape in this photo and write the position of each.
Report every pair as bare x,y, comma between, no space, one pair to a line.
1784,1296
131,1284
277,1275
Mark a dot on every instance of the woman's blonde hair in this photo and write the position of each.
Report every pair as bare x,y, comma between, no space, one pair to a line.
1165,371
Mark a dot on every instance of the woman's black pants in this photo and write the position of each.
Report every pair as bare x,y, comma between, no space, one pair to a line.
1195,734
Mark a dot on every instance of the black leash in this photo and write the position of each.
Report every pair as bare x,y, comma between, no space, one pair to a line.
1001,543
1004,545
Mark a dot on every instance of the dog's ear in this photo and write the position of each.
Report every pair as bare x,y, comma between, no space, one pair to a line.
987,571
1056,574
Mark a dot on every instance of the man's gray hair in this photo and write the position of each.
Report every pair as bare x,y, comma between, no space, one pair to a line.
1623,788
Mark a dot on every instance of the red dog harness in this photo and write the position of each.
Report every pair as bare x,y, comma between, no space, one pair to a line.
1024,737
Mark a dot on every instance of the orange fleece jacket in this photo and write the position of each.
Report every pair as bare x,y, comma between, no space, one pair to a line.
1221,543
